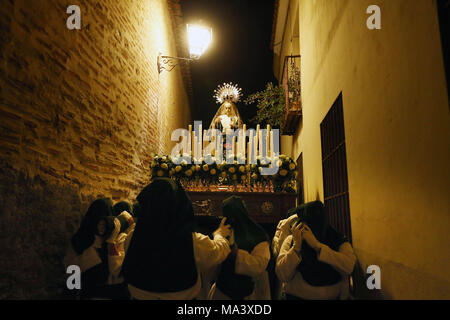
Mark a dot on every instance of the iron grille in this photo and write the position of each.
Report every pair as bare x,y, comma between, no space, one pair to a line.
334,165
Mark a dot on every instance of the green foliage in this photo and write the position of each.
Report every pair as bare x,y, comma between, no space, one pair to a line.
294,85
270,104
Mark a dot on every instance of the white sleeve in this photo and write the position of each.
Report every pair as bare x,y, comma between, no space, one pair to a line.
209,253
128,240
287,261
116,255
283,230
343,260
255,263
276,243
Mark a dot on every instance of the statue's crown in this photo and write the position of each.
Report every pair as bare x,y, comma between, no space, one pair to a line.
227,92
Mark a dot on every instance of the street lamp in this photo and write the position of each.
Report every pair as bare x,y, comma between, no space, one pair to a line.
199,38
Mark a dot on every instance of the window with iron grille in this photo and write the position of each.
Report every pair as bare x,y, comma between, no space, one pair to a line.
334,165
301,198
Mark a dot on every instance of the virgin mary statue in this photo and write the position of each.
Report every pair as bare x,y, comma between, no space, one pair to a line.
227,117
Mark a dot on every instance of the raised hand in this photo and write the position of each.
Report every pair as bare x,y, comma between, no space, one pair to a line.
223,230
297,236
310,238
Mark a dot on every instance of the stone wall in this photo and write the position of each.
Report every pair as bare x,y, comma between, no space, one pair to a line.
81,112
396,110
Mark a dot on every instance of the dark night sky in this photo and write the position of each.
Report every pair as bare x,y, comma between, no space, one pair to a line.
240,51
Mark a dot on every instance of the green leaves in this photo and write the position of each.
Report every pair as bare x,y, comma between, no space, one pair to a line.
270,104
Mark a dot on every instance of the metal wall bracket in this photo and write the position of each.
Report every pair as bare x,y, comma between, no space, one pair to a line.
168,63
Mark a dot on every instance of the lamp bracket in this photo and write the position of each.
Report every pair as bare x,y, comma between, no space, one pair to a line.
168,63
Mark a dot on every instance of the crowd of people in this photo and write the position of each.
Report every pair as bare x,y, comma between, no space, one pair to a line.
150,250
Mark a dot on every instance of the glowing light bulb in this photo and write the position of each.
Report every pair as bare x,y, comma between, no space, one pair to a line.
199,39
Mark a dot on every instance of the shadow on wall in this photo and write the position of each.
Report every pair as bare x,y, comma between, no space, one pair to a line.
361,292
37,220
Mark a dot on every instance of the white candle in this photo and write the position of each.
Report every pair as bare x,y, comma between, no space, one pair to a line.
213,142
244,139
195,145
200,142
257,142
271,144
204,136
189,147
255,146
260,138
250,148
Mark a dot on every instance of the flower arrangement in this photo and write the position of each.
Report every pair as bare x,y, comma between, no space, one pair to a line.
207,172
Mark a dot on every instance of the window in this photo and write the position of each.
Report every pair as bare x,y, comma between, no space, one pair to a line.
334,165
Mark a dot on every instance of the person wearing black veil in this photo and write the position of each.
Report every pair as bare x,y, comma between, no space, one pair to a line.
122,206
165,257
243,275
89,251
315,261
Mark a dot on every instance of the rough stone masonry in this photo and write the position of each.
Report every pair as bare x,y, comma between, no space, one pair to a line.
81,112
